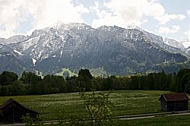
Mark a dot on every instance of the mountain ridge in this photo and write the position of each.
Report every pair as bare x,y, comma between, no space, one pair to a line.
115,49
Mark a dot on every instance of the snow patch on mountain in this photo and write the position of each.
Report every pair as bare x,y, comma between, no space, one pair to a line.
34,61
17,52
186,43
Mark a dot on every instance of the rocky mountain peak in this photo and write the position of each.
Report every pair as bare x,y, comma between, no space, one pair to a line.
77,45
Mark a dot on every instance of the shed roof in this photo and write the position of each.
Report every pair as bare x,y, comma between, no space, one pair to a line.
175,97
11,101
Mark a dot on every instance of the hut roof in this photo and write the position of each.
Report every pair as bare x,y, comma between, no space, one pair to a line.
175,97
11,101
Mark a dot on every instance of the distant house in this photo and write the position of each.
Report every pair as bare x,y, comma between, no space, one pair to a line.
12,111
174,102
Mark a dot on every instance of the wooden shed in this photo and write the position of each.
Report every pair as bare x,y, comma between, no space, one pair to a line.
12,111
174,102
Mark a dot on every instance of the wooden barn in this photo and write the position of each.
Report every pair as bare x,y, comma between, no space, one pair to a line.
174,102
12,111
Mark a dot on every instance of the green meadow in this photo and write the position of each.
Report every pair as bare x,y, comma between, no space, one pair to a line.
124,103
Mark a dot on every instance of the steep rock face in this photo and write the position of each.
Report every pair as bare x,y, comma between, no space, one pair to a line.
174,43
9,60
119,51
165,43
188,50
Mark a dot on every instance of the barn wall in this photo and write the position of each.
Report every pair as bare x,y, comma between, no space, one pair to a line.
177,106
14,113
163,105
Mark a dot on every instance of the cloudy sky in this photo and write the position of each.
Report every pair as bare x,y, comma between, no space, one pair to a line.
168,18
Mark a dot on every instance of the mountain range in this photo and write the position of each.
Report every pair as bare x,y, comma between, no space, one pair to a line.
110,50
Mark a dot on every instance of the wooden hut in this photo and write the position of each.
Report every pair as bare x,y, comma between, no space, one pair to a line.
12,111
174,102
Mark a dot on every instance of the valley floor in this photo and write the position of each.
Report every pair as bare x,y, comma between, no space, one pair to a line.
132,107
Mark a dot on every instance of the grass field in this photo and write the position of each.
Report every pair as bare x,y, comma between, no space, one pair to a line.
129,102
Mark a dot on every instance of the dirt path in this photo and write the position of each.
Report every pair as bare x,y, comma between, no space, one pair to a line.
14,124
127,117
153,115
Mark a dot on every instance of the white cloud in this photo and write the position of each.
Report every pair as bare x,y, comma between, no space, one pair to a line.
188,34
41,13
105,17
59,11
132,12
119,12
167,30
188,12
167,17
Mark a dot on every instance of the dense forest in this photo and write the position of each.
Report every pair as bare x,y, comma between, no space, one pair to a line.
31,84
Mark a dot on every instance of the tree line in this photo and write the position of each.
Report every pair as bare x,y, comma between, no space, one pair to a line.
31,84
